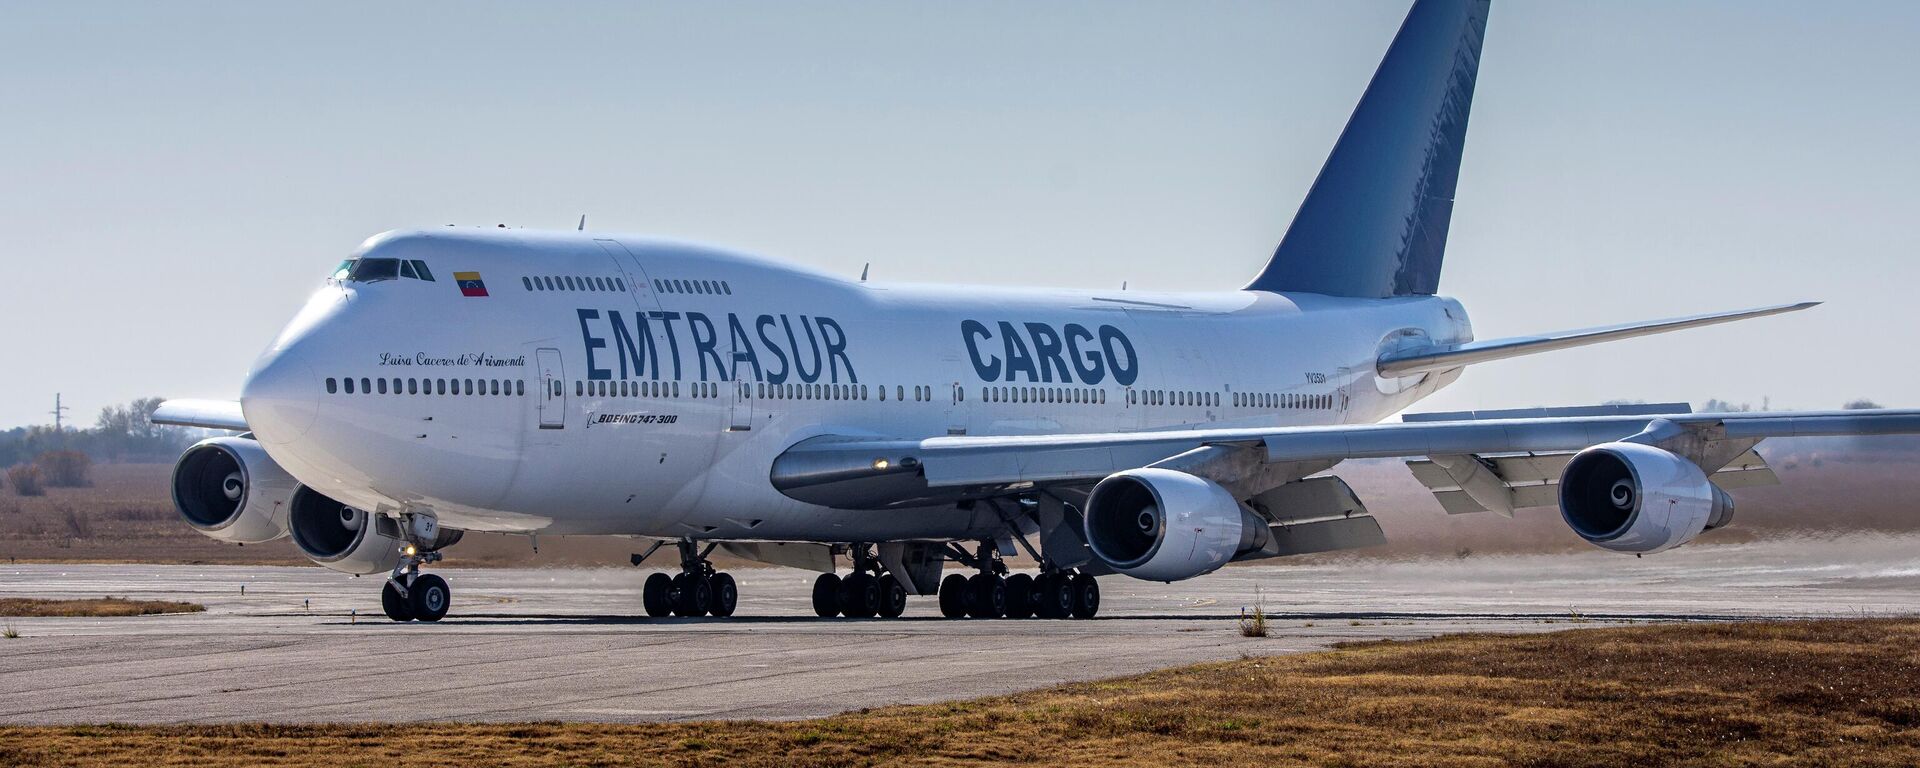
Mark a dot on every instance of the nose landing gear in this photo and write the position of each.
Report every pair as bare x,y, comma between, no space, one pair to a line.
411,595
697,590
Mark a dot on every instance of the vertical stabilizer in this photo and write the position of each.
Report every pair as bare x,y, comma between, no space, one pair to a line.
1375,222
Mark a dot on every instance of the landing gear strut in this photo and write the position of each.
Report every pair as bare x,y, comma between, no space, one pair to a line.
867,592
697,590
990,593
410,594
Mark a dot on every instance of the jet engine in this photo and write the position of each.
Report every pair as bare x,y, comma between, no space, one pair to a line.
1628,497
344,538
1165,525
229,489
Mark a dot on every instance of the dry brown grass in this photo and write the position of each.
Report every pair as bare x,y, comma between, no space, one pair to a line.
1841,693
101,606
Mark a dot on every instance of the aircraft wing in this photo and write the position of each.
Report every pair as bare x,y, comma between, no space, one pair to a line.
210,414
868,473
1406,362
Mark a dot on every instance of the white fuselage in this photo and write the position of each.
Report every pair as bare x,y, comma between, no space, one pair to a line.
605,424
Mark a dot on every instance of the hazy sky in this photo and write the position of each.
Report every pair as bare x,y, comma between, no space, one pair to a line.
176,177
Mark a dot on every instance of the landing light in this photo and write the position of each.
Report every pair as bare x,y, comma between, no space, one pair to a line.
410,550
879,464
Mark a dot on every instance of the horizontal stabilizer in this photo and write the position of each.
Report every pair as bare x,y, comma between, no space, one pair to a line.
208,414
1408,362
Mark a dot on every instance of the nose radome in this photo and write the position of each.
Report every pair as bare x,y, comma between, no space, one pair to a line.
281,398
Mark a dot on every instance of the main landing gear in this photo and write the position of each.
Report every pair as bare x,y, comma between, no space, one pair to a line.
410,594
867,592
697,590
992,594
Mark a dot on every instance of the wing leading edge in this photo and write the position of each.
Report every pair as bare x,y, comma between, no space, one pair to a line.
208,414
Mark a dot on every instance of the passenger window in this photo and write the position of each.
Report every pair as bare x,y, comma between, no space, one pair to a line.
349,386
383,385
619,285
579,388
413,386
527,283
333,387
519,388
724,288
366,387
657,288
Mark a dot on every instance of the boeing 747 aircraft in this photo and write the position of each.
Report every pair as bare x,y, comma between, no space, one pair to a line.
576,383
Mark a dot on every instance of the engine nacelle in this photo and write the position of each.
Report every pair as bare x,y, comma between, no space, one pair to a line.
1628,497
344,538
1165,525
229,489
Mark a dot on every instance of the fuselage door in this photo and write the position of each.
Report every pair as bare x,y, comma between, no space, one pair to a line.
742,407
553,389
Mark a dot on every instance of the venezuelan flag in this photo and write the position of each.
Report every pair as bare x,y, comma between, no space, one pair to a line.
470,284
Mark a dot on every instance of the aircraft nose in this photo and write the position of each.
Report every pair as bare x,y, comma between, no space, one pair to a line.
281,398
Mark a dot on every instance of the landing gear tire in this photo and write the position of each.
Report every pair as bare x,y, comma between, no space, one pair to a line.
1019,596
397,607
1055,593
429,597
893,597
1086,596
657,595
953,596
989,596
826,596
859,596
692,595
726,595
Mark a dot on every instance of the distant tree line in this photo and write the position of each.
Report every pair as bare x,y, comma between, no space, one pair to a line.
123,433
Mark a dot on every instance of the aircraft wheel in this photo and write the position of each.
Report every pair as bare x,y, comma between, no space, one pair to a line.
397,607
694,596
859,595
953,596
989,596
429,597
657,595
826,596
726,595
1086,596
893,597
1019,596
1055,593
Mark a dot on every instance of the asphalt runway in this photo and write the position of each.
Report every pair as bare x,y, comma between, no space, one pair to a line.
308,645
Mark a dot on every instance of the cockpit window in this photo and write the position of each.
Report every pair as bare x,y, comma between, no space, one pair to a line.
370,270
420,268
341,272
406,270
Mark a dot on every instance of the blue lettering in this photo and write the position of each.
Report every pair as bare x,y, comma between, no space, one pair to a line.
1088,364
742,349
988,369
704,343
836,349
1122,375
1018,359
593,342
761,325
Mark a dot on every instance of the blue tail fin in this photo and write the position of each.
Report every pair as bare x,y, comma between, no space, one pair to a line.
1375,222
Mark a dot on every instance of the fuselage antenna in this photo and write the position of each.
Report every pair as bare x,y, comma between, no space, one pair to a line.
863,271
583,223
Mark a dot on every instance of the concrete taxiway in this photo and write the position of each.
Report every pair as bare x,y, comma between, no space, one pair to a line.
307,645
